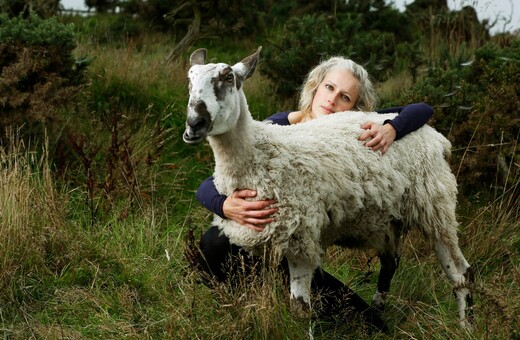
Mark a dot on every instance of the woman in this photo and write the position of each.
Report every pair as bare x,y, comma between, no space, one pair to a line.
335,85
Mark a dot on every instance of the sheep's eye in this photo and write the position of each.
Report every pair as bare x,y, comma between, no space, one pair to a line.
229,78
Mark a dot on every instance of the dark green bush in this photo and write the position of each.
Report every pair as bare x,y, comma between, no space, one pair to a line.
306,41
240,17
39,74
36,31
476,106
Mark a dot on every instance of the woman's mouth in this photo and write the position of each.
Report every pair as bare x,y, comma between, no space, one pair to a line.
327,110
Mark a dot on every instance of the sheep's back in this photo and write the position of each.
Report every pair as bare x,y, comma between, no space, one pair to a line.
327,182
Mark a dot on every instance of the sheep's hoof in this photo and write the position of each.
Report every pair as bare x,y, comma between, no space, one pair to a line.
300,308
378,302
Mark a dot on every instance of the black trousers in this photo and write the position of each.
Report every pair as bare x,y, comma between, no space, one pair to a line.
222,261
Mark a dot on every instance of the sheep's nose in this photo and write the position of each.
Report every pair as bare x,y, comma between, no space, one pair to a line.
196,129
197,123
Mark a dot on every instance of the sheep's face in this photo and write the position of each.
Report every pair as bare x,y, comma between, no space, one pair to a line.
215,92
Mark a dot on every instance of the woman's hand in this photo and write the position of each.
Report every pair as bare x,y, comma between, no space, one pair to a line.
254,215
382,136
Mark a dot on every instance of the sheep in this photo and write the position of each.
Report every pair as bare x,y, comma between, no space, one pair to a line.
330,188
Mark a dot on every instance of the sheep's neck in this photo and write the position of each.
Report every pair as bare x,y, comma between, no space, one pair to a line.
233,149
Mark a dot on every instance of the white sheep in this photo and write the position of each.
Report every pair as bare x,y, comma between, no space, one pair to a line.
330,188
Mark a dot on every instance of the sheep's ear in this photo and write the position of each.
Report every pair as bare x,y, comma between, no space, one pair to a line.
198,57
249,64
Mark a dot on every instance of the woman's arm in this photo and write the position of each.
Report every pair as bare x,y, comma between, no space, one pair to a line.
279,118
254,215
410,118
210,198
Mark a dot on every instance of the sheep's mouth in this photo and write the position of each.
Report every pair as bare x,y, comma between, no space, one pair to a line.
193,139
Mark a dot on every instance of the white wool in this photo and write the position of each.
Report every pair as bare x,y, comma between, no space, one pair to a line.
329,186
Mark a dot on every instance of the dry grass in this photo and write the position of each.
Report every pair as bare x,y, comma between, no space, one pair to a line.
31,215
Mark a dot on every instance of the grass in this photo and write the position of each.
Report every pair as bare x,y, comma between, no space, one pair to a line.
121,272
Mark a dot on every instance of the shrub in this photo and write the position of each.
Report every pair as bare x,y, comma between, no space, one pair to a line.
307,40
38,74
476,106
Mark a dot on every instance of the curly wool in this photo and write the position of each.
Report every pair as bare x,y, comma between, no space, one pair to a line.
330,188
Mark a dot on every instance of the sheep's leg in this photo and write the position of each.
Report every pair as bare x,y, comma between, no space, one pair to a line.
300,276
389,258
458,271
389,263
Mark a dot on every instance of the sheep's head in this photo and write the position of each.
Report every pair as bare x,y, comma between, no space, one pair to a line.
215,94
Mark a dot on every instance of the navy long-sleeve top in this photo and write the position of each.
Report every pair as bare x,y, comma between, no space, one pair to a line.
410,118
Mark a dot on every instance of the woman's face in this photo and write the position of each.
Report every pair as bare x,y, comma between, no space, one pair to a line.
339,91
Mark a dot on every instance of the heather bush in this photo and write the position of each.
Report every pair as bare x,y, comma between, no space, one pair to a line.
39,75
476,106
306,41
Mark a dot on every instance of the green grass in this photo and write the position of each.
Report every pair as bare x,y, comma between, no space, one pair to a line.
120,271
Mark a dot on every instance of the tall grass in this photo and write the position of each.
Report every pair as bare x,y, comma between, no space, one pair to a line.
63,277
31,218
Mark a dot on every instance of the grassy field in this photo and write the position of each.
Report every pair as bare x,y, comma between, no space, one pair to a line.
80,261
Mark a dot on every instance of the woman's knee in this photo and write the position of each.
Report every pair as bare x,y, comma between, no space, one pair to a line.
213,242
216,252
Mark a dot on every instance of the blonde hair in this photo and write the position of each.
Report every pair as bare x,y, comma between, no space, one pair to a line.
367,100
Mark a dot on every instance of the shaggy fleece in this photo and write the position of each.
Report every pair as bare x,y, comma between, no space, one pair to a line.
330,188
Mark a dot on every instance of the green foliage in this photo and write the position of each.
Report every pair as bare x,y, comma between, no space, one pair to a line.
307,40
118,94
36,31
371,33
153,12
477,108
378,15
109,28
120,128
39,74
217,17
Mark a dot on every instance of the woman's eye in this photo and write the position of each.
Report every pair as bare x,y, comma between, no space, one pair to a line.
329,87
345,98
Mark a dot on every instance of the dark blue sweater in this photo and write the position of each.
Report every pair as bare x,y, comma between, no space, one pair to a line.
410,118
